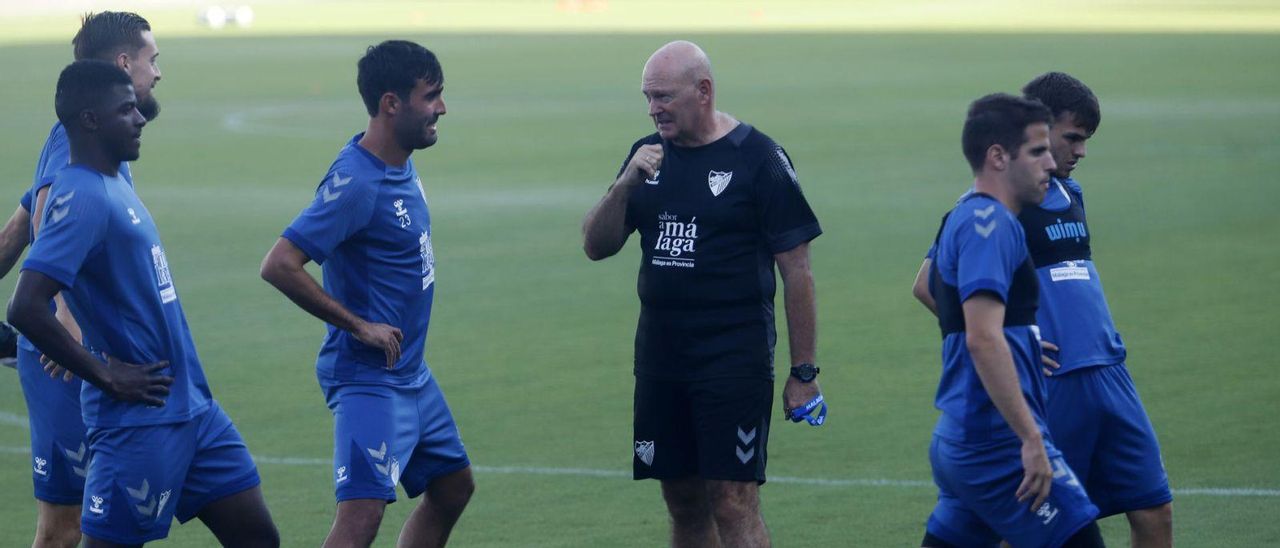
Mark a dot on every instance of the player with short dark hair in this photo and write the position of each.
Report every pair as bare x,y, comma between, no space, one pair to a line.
717,205
161,447
58,442
998,473
370,229
1093,409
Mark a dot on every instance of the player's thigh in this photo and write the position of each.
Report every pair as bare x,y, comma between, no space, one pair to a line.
134,477
1074,417
374,434
59,448
985,482
220,468
439,451
731,422
951,521
662,424
1128,471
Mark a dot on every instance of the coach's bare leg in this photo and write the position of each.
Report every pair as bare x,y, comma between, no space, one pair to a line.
692,523
736,507
429,524
57,525
356,523
1151,527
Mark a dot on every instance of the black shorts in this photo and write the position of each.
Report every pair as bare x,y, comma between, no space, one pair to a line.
713,429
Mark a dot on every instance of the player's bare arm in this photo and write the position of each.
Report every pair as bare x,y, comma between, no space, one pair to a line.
920,288
13,239
802,320
605,229
62,313
29,313
984,335
283,268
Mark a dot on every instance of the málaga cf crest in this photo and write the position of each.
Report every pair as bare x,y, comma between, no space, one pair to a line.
718,180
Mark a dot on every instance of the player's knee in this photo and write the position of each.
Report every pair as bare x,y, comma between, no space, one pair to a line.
687,501
358,520
733,502
57,537
454,500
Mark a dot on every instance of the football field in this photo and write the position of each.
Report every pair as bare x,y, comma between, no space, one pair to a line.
531,342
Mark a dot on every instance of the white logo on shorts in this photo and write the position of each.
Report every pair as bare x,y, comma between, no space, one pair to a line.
1047,512
97,504
342,475
644,450
40,463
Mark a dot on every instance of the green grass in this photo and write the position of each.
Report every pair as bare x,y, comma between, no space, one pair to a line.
532,342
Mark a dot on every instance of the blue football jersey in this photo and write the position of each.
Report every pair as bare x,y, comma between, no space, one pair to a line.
370,230
101,244
981,249
55,155
1073,309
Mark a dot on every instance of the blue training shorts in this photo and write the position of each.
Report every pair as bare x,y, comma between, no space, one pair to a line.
59,452
977,505
1099,422
142,477
385,435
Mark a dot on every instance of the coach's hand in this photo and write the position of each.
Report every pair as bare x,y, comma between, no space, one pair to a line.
644,164
1049,364
795,394
137,383
1037,476
381,335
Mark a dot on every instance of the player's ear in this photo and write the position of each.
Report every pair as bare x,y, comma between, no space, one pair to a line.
390,103
88,120
122,61
705,90
997,158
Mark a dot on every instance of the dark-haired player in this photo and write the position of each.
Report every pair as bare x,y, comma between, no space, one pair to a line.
717,205
1093,409
161,446
58,442
998,473
369,228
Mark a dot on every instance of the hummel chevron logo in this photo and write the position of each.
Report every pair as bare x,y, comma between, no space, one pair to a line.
75,455
746,437
380,454
57,214
337,182
984,231
984,213
62,200
146,509
745,456
141,492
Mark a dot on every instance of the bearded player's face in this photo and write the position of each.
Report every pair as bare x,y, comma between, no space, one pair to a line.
415,120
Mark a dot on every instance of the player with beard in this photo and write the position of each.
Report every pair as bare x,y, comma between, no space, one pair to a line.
370,230
998,473
717,205
161,447
58,443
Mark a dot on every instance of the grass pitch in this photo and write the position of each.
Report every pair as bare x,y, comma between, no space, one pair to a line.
532,343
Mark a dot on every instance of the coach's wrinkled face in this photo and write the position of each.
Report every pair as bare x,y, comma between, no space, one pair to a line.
144,69
676,99
1030,167
1067,141
415,118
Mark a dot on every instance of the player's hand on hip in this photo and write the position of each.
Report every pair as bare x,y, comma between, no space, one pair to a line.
1049,364
644,164
796,394
381,335
138,383
54,370
1037,476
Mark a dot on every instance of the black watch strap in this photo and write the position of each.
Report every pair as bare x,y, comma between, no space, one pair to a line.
805,372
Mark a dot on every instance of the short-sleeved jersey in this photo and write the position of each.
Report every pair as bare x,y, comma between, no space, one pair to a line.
981,249
1073,309
710,223
370,230
55,155
100,243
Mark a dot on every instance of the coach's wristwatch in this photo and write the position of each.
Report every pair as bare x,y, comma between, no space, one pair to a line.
805,372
